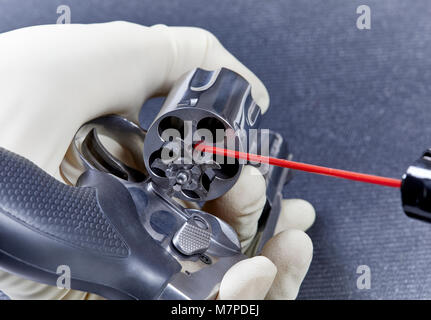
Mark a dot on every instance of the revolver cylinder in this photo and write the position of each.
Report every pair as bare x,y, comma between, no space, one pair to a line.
214,106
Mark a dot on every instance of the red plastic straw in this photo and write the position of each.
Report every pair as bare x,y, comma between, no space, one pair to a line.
350,175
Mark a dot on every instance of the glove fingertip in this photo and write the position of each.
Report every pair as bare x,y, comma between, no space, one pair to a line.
295,214
249,279
291,251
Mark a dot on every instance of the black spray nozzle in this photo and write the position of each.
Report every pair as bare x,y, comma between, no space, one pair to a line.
416,188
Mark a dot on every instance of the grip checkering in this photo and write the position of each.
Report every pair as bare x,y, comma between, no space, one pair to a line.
68,214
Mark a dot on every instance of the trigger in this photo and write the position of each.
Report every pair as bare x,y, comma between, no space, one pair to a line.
101,159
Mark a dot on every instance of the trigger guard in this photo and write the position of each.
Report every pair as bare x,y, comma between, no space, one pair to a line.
87,151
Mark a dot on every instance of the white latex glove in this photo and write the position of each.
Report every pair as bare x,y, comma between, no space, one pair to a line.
54,78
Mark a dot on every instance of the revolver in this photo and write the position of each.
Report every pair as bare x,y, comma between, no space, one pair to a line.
117,227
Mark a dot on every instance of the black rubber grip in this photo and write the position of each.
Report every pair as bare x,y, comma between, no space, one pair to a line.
65,213
94,229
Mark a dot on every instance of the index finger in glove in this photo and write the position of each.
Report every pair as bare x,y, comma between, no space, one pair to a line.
242,205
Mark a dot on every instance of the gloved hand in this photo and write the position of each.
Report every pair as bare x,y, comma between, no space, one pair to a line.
54,78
